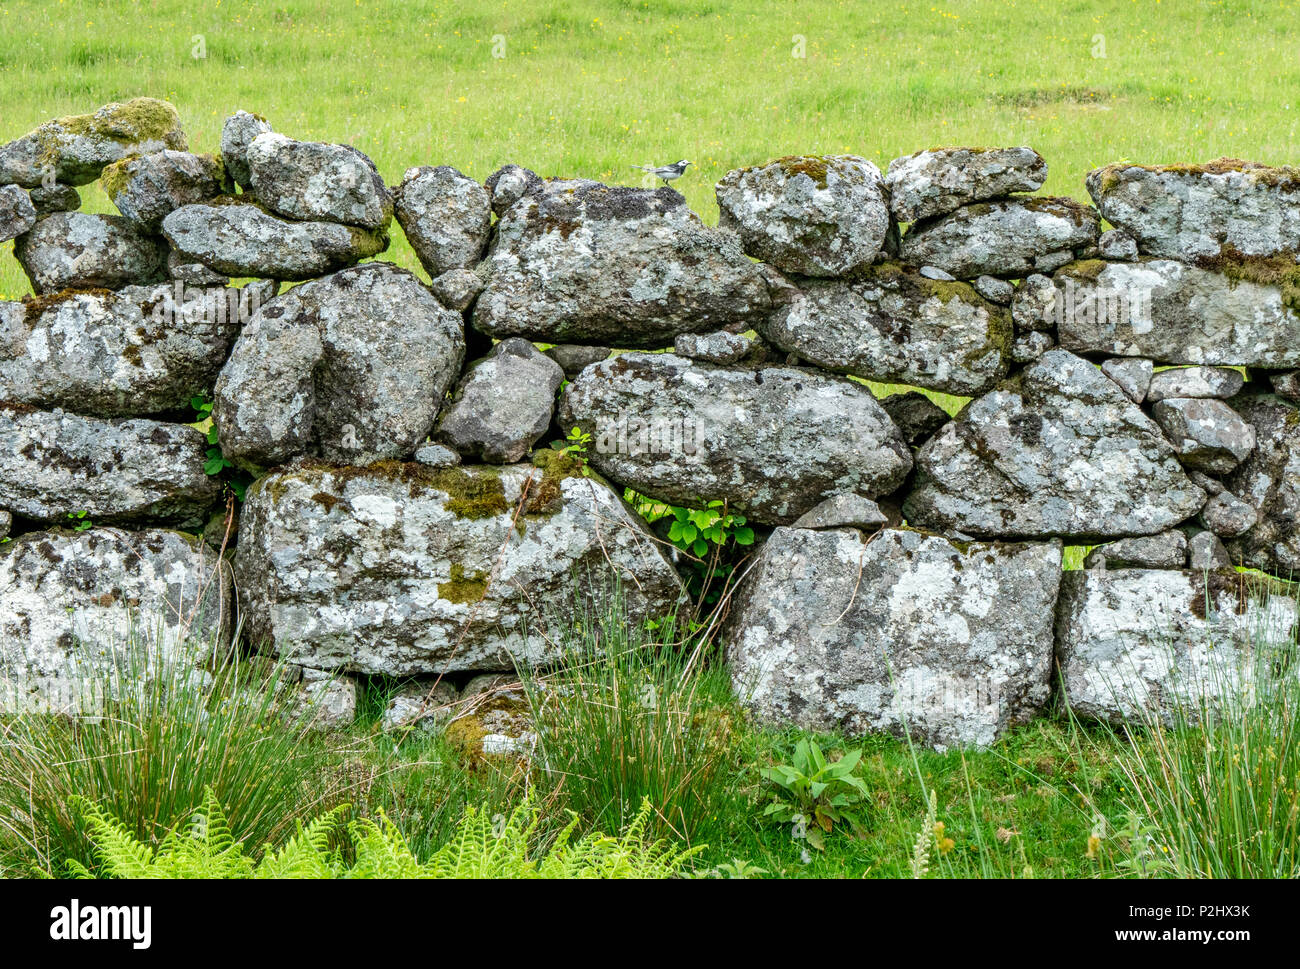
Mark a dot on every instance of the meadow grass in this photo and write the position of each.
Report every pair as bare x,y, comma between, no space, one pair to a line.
591,87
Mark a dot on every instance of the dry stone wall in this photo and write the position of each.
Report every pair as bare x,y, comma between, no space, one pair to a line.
1134,389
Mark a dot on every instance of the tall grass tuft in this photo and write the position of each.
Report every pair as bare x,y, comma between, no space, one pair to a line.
153,737
630,713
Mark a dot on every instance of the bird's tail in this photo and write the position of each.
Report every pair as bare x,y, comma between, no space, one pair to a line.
644,168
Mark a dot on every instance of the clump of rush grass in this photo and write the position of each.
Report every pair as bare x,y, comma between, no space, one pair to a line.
148,737
631,711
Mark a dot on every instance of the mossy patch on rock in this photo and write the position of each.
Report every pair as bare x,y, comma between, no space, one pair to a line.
1281,271
463,587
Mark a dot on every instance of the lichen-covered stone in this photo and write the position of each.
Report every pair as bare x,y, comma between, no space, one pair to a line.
1174,313
55,464
1138,645
1269,481
77,250
1205,551
457,289
995,290
317,182
508,184
54,198
720,347
1001,238
1132,374
942,180
1218,382
574,358
146,188
586,263
917,416
243,240
503,405
139,350
900,632
1033,302
1057,449
844,511
1030,346
352,367
814,215
446,217
75,149
892,325
399,569
76,605
239,131
1195,212
1207,434
1117,245
772,441
419,706
1167,550
17,214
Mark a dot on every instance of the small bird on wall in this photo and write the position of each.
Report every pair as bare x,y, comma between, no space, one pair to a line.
665,172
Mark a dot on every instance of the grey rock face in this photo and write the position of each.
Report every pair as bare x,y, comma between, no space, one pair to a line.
1207,434
940,181
1217,382
313,181
403,570
17,214
1168,550
53,464
720,347
572,357
437,456
457,289
1286,384
503,405
1269,481
1117,245
1206,551
917,416
1056,450
54,198
1133,375
508,184
1174,313
147,187
76,250
242,240
73,604
1204,211
1031,306
193,273
1001,238
1137,645
236,135
140,350
772,442
352,367
6,523
904,632
1028,347
844,511
995,290
1227,516
75,149
584,263
893,325
813,215
446,217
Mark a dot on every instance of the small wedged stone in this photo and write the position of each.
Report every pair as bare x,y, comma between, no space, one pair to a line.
1133,375
942,180
1167,550
351,367
1174,313
890,324
995,290
1028,347
772,442
574,358
238,132
457,289
243,240
1056,450
503,404
844,511
580,262
1207,434
55,464
6,523
1206,551
1031,306
54,198
77,250
1138,645
326,701
900,632
75,149
74,606
437,456
146,188
1217,382
1269,481
446,217
917,416
508,184
720,347
1228,516
816,215
1001,238
17,213
1193,212
317,182
419,706
398,569
1117,245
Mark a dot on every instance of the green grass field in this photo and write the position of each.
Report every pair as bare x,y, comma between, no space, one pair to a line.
590,87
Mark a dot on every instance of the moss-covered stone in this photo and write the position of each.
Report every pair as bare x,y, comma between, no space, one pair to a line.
463,587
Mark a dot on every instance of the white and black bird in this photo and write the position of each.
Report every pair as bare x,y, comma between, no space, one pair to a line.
666,172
